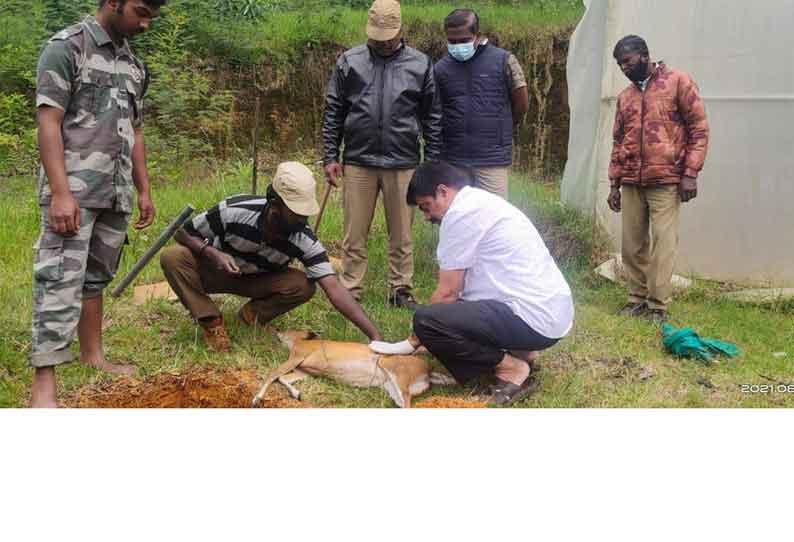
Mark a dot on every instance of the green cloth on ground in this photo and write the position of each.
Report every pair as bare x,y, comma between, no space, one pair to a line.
686,343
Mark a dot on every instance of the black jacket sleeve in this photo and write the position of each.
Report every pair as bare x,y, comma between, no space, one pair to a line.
431,115
335,112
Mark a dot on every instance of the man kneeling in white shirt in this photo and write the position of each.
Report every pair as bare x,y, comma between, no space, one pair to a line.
500,297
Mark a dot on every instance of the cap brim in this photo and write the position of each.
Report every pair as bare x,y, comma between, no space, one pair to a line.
304,208
381,34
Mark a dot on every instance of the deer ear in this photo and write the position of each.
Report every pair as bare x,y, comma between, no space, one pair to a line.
393,389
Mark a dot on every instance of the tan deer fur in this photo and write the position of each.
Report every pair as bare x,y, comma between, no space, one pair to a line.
402,377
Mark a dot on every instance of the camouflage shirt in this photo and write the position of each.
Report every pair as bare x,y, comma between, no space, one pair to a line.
100,88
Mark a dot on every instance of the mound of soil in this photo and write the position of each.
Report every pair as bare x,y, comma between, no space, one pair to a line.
450,402
196,387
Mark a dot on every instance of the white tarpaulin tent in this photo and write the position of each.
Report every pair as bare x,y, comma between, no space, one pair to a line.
741,54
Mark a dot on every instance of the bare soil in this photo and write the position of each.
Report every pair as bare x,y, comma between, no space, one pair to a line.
450,402
195,387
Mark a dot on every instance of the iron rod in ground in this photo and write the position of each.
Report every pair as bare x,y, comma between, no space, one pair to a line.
255,147
322,208
160,243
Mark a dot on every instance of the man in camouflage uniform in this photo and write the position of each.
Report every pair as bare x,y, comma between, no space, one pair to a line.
89,102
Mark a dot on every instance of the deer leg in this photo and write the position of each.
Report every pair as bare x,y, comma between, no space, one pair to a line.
288,379
291,364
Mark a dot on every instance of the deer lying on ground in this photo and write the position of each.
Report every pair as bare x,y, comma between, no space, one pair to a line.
402,377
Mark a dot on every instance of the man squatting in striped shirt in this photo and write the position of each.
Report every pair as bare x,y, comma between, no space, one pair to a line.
243,246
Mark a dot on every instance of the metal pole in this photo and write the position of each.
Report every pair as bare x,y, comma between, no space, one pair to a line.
255,150
255,137
160,243
322,208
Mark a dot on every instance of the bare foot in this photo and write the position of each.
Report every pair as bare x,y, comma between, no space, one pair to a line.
527,355
34,403
112,368
512,370
43,390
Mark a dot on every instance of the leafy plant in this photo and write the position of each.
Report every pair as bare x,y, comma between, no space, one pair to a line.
191,115
18,153
22,33
248,9
16,114
63,13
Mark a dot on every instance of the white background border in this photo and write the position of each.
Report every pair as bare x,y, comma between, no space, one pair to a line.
381,475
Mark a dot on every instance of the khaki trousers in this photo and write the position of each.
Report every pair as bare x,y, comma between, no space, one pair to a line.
492,179
271,294
650,242
360,188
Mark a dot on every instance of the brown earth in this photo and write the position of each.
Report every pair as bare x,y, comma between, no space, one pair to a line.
450,402
196,387
206,387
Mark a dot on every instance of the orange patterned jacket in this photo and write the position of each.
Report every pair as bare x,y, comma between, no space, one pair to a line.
661,134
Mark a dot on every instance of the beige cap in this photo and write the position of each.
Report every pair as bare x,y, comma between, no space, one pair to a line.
384,20
294,183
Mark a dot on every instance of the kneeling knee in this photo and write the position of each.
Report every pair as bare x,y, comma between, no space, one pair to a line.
169,257
303,292
421,321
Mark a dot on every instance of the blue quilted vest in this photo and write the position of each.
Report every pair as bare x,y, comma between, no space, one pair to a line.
478,119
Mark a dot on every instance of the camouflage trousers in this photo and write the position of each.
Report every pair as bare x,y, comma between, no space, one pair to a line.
66,270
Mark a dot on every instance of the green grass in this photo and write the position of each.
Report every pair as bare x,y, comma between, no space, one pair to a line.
283,35
606,361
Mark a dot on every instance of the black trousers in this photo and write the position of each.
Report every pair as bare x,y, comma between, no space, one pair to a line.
471,337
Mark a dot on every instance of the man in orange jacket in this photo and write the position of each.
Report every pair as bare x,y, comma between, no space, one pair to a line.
660,142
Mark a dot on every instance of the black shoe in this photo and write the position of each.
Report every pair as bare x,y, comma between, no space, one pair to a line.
634,310
656,316
403,298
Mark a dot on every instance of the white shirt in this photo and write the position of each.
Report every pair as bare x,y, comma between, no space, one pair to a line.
505,259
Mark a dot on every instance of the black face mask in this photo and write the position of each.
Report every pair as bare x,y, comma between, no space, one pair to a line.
639,73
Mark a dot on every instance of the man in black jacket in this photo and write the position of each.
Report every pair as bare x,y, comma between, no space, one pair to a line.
380,99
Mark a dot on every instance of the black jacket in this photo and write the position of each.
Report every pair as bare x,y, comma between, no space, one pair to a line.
380,107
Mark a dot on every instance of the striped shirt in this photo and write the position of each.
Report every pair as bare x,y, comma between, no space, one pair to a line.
236,226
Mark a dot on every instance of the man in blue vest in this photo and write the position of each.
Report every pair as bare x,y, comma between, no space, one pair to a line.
483,93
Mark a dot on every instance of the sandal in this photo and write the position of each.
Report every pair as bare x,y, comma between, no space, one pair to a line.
480,388
505,393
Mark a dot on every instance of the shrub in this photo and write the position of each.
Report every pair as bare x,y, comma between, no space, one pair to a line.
192,116
247,9
18,146
18,153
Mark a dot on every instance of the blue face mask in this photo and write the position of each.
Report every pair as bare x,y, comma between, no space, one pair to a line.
461,51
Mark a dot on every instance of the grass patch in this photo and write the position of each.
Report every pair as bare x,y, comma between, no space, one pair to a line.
606,361
282,36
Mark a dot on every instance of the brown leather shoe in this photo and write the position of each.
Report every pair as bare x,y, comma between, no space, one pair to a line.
215,335
250,318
